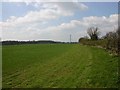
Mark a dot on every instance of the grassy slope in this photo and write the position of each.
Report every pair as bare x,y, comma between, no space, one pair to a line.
0,66
58,66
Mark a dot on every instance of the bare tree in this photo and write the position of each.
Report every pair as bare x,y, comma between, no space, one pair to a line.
93,33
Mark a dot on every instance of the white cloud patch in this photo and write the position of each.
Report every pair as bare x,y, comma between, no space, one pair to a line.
78,27
33,26
35,16
64,7
48,11
67,6
32,31
27,1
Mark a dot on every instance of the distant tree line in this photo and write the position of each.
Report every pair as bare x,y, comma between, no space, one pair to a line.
111,41
27,42
34,42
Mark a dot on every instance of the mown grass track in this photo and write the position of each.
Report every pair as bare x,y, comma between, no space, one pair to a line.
58,65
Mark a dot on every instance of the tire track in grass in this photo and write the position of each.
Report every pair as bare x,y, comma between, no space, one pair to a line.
37,67
56,65
14,76
75,68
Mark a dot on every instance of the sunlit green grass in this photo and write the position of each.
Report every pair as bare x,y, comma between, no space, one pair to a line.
0,66
58,65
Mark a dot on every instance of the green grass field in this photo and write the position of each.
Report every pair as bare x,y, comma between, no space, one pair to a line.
58,65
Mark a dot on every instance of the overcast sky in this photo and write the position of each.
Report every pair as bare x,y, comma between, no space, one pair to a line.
56,20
